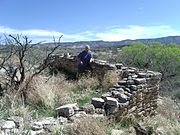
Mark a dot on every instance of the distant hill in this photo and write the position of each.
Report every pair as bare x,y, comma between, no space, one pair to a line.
100,43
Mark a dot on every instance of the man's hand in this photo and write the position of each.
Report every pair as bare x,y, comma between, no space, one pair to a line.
91,60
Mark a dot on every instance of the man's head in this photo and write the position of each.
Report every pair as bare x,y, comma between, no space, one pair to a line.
87,48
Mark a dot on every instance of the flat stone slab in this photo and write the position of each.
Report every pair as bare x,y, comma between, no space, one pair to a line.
140,80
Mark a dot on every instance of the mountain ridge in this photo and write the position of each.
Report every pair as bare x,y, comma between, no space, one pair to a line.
101,43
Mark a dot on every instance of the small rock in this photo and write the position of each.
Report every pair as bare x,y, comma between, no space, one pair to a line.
124,68
128,90
100,111
67,110
121,90
107,94
141,86
98,102
160,131
140,80
97,116
80,114
118,65
117,132
133,87
122,82
117,86
122,105
89,109
49,121
142,75
131,71
18,121
31,132
37,126
62,120
123,98
134,76
129,82
127,94
111,89
8,125
115,94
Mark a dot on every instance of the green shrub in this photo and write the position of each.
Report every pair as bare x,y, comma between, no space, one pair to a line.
153,56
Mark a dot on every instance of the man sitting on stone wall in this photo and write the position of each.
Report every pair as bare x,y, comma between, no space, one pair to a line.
85,58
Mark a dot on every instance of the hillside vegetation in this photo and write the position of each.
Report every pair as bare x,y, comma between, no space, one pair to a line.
155,57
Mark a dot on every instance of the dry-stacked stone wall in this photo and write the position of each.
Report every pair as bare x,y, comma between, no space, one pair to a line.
70,63
136,92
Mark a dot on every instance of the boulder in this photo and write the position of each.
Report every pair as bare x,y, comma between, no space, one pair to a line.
98,102
67,110
111,105
111,101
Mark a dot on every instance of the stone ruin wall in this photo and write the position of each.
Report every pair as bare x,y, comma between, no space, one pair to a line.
136,92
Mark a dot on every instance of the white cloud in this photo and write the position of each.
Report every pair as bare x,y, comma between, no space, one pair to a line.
113,33
137,32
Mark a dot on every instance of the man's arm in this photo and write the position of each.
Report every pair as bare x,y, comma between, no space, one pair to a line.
91,58
79,58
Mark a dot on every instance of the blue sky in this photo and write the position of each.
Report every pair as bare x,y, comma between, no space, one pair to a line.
84,20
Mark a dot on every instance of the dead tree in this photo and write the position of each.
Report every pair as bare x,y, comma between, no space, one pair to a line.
15,70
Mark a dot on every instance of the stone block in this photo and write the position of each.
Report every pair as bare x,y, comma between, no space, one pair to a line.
140,80
111,101
67,110
98,102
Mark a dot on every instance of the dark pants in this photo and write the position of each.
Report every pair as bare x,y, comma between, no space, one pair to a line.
83,69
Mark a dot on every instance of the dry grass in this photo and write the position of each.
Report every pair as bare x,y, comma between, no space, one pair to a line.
166,122
110,79
167,108
88,126
161,124
87,82
52,92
